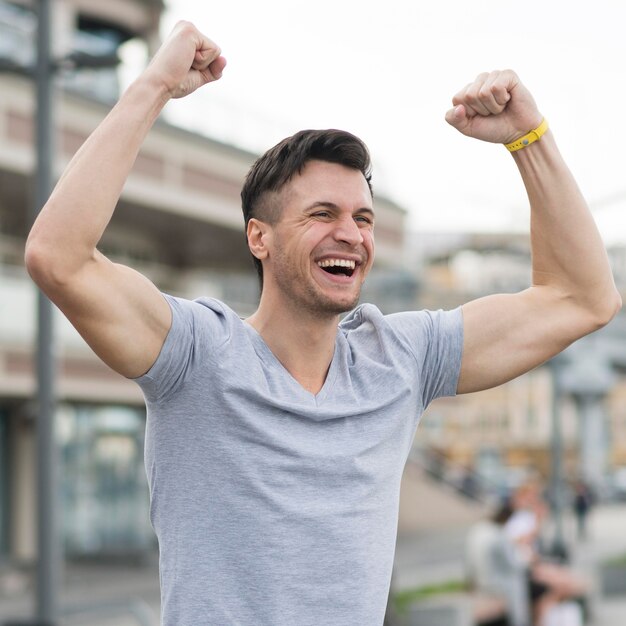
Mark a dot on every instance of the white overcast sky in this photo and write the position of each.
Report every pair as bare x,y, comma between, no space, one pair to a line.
386,71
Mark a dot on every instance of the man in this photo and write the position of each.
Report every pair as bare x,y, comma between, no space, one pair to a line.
275,445
493,566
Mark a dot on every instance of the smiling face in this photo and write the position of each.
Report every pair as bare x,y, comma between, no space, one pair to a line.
318,253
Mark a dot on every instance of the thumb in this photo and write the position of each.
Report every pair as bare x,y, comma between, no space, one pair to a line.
458,117
217,67
212,72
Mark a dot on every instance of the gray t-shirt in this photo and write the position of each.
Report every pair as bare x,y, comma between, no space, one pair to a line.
274,506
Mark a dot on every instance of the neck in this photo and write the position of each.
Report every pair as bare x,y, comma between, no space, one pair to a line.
304,342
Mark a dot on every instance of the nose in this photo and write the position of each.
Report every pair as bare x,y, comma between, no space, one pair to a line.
348,231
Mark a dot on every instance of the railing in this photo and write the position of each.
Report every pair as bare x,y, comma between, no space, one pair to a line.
461,479
136,608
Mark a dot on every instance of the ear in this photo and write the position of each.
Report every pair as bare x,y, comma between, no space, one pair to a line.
258,235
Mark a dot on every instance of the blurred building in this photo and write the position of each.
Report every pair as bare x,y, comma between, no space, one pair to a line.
178,222
505,433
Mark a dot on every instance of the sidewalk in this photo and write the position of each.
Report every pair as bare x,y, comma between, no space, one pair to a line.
607,539
431,557
438,557
93,594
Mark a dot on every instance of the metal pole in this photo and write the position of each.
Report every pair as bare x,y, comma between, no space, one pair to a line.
49,545
559,548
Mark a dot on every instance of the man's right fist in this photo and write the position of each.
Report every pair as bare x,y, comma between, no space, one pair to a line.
185,61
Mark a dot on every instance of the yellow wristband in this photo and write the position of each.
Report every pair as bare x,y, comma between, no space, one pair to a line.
529,138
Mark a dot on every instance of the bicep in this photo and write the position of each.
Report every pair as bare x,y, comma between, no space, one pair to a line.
118,312
507,335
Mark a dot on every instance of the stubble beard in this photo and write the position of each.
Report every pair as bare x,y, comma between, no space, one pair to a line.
306,297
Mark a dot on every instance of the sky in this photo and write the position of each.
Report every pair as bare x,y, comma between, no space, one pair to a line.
387,71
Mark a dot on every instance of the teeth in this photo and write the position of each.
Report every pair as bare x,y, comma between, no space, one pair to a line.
337,263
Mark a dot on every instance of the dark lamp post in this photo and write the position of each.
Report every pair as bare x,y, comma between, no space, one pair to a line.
49,545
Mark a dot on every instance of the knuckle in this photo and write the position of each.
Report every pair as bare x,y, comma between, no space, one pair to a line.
185,27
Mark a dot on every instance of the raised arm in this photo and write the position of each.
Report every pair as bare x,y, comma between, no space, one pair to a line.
119,312
572,291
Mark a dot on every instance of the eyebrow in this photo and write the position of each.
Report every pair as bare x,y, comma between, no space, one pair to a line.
331,205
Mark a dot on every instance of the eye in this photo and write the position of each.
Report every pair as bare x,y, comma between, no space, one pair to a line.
323,214
364,219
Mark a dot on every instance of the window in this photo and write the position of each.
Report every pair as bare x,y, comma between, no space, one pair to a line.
105,492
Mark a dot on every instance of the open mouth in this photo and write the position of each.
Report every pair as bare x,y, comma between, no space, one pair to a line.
337,267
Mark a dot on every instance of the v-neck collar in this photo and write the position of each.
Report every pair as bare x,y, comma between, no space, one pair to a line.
270,360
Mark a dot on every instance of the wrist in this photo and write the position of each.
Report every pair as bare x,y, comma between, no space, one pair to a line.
151,89
525,140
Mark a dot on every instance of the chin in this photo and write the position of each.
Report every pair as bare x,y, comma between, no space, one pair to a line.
326,302
337,306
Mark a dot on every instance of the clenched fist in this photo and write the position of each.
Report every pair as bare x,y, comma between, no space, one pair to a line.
186,61
495,107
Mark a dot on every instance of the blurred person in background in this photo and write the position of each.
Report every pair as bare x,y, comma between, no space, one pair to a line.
582,503
528,514
275,445
549,583
494,566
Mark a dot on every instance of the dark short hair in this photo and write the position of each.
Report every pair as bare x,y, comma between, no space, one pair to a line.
274,169
503,513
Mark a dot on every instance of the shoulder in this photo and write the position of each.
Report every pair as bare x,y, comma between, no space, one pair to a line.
363,314
200,328
210,316
421,324
200,306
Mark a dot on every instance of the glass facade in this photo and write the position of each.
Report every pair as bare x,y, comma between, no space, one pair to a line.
105,495
90,41
99,83
17,31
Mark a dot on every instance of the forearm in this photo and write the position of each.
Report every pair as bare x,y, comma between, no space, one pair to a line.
71,223
568,254
572,292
